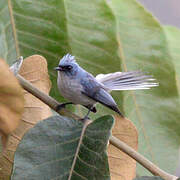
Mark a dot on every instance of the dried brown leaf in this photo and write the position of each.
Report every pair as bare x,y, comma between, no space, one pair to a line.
11,100
34,69
123,167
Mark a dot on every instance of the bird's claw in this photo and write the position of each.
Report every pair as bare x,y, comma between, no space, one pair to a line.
84,118
60,106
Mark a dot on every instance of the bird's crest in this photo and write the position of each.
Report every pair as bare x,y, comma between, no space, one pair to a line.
68,58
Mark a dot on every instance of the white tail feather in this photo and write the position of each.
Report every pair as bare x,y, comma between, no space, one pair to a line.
126,80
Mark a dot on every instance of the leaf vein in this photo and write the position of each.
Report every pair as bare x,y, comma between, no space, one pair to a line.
79,175
83,43
89,165
41,20
39,50
41,38
98,154
49,162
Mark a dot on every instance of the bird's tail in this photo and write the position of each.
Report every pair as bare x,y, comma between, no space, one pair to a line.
126,80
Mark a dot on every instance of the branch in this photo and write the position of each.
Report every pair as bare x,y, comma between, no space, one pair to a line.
52,103
155,170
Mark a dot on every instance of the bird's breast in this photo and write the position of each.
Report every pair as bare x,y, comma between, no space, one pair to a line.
72,89
67,85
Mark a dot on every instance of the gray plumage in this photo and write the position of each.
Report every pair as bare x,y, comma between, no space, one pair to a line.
81,87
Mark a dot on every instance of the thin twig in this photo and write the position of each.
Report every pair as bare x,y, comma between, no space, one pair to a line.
155,170
113,140
51,102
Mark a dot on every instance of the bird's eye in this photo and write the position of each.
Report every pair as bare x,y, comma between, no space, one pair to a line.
69,67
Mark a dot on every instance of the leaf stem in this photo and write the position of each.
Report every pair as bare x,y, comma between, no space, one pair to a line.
86,122
52,103
13,27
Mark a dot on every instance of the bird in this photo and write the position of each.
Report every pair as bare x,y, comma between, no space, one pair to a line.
81,87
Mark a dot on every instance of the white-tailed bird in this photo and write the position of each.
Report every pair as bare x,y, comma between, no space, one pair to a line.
80,87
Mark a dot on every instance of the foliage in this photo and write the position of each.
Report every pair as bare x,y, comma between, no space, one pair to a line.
105,37
48,149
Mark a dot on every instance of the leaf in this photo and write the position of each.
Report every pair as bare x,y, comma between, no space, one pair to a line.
53,28
11,100
48,149
35,30
34,69
8,43
105,38
148,178
173,37
121,165
143,46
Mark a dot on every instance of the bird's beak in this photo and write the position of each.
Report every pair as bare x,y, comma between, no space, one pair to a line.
58,68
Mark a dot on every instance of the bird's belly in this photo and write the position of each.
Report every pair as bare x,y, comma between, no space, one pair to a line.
72,91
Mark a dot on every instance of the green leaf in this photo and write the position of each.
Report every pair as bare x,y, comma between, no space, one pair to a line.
105,38
173,37
47,150
7,42
149,178
52,28
143,46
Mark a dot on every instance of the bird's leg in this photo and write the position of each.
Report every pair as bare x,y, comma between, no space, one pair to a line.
86,116
62,105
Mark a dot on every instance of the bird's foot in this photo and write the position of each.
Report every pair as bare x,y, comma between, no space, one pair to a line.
62,105
86,116
84,119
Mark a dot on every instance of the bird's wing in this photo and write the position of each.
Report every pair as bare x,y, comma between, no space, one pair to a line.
95,91
126,80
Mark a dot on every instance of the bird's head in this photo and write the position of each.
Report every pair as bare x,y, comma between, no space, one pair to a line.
67,65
